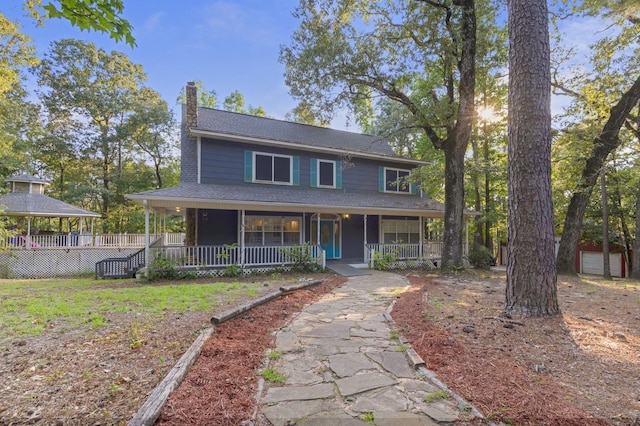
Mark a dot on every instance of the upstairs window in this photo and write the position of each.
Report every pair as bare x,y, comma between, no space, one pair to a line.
272,168
395,181
325,173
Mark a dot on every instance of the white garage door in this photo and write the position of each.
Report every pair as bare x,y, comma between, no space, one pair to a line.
593,263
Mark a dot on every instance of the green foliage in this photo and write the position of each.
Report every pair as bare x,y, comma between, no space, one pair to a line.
384,262
162,268
271,375
105,135
368,418
302,257
436,396
99,15
30,307
232,271
481,257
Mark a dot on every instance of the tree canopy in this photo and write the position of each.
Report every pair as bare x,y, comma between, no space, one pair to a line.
99,15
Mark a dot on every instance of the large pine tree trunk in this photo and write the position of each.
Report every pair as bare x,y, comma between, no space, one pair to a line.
606,142
531,272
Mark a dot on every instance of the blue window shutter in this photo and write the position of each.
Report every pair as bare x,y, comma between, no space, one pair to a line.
248,166
338,174
412,188
296,171
313,172
381,184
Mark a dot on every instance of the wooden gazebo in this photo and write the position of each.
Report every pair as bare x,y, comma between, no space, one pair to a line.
26,199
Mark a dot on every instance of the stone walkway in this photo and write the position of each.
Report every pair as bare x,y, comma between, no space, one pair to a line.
345,366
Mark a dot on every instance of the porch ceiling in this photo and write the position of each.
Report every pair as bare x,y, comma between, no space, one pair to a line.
285,199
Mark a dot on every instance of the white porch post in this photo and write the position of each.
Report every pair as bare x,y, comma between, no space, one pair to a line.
318,228
147,258
303,228
421,236
93,236
242,238
365,240
28,239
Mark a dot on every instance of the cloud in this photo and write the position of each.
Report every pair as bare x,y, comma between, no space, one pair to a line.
153,22
246,21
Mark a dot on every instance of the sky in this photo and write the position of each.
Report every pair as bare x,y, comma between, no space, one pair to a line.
229,45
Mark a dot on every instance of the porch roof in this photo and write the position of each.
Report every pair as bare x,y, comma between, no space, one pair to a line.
38,205
285,199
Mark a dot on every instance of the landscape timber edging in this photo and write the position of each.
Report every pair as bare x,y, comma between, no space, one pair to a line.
232,313
150,410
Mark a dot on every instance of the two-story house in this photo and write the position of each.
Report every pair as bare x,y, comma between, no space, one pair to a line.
259,184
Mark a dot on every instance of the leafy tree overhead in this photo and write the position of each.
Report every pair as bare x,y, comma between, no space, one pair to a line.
97,101
605,96
420,55
15,53
99,15
531,273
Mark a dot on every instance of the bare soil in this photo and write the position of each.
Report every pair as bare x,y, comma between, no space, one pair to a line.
102,376
582,367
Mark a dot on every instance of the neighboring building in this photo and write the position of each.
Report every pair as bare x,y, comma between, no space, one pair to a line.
589,258
253,182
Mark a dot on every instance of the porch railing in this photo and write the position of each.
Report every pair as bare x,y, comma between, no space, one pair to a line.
74,239
210,257
428,250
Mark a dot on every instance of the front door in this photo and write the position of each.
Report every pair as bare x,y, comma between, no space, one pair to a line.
329,237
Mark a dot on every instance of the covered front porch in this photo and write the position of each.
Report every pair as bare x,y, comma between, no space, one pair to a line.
265,227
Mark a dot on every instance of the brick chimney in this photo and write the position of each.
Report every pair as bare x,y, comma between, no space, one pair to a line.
192,107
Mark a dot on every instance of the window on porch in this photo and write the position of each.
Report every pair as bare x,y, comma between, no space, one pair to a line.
401,231
272,230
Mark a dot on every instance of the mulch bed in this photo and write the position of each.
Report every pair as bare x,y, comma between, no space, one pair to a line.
221,386
501,388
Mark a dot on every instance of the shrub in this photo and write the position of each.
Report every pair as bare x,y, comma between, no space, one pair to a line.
162,268
383,262
480,257
302,258
232,271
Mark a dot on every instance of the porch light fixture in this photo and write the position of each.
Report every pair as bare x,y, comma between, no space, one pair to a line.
346,216
177,209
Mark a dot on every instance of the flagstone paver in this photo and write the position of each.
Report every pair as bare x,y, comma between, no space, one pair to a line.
343,367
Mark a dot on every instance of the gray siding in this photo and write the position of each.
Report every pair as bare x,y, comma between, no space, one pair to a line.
353,238
217,227
222,162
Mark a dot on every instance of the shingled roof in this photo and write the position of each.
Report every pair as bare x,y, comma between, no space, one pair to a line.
280,198
37,205
268,129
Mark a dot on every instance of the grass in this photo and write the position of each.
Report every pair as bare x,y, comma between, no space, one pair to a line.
368,418
436,396
29,307
271,375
